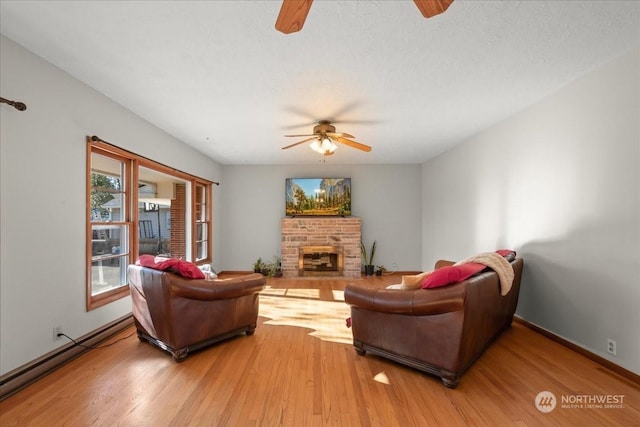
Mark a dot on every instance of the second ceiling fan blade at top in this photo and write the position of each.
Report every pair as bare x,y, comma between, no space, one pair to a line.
292,15
430,8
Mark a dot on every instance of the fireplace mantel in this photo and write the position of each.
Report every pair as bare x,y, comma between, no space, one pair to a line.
342,232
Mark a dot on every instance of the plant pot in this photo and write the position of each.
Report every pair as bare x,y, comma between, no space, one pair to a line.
368,270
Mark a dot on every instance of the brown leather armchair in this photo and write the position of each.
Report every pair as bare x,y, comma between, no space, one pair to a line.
439,331
181,315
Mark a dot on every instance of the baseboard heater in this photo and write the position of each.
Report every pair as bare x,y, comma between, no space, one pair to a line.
19,378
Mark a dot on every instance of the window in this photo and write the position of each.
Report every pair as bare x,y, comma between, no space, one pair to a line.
137,206
162,214
109,227
203,222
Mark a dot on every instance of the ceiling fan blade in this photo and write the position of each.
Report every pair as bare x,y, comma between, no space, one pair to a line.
354,144
339,135
430,8
292,15
300,136
299,142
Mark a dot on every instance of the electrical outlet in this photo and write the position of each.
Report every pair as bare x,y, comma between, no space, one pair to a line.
611,346
57,330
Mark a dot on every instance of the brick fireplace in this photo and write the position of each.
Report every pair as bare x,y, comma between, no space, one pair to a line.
333,235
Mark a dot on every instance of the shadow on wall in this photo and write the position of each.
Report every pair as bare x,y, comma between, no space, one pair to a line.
584,288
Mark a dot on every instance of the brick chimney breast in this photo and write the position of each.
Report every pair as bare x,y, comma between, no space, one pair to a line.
344,233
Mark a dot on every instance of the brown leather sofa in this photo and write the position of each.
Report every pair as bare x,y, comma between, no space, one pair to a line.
439,331
181,315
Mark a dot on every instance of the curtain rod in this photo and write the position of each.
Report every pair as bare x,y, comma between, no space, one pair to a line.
20,106
95,138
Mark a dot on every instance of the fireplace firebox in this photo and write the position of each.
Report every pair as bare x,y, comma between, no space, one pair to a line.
320,261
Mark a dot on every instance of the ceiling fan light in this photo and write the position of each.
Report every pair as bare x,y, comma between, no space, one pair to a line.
315,146
326,143
323,146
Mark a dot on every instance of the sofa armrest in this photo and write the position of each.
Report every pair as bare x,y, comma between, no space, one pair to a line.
206,290
417,302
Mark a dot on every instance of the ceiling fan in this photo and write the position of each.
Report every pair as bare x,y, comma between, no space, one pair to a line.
293,13
323,137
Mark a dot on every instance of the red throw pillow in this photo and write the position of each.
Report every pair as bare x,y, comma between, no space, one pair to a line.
507,253
451,274
172,265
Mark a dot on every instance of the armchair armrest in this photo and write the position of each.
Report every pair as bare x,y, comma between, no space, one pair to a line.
417,302
207,290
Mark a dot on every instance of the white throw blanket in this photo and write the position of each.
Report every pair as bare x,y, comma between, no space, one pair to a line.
498,264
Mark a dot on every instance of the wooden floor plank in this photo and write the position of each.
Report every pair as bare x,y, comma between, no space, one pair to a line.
300,369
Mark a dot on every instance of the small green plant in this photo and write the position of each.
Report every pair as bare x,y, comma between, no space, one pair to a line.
275,268
270,269
369,260
257,266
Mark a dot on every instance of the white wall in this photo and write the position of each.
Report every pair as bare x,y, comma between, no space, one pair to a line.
42,200
560,183
386,197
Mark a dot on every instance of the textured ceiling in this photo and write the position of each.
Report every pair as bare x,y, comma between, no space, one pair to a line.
218,76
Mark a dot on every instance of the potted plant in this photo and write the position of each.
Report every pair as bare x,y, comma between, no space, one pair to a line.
380,269
257,266
265,269
368,261
275,268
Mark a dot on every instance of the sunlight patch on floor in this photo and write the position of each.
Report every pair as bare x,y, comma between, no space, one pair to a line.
303,293
338,295
381,377
326,319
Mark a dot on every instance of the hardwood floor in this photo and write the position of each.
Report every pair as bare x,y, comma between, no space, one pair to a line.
300,369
